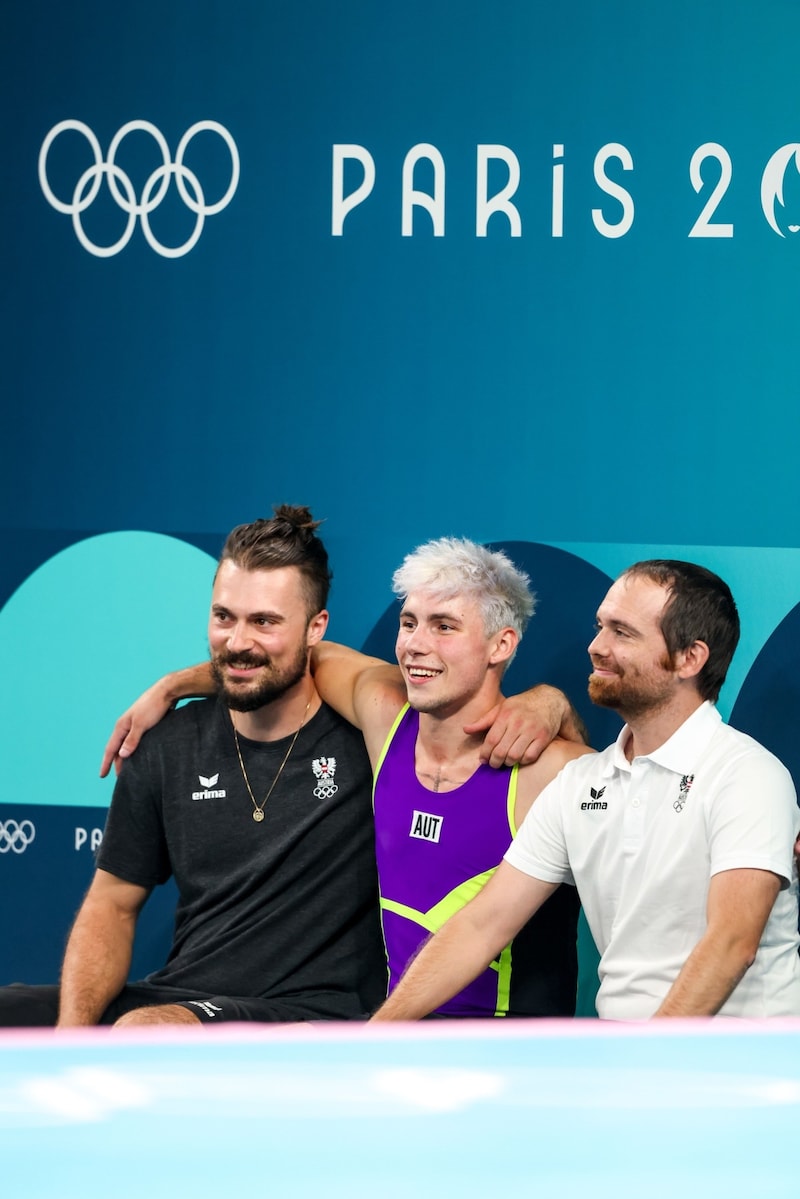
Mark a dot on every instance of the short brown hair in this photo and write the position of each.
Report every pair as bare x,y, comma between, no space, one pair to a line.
699,607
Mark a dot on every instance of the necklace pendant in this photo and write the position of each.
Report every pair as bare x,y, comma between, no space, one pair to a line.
258,812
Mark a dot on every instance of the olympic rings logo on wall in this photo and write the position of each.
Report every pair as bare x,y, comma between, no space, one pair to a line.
16,836
122,190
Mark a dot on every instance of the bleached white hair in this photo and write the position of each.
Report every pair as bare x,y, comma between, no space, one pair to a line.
452,566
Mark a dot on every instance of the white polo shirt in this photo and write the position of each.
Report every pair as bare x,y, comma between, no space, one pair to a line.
641,840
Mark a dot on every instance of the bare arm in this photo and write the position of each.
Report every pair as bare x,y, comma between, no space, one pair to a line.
344,678
521,727
466,943
368,692
338,673
739,904
98,954
150,707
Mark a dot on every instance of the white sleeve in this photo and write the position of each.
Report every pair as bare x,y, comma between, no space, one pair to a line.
539,848
753,817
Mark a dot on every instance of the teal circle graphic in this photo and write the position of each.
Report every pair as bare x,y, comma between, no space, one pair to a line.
79,640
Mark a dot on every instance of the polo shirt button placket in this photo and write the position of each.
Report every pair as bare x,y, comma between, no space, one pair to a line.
634,817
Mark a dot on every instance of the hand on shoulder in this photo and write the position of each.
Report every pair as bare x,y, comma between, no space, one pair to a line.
519,728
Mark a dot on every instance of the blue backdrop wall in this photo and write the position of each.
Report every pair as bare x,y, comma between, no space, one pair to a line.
525,273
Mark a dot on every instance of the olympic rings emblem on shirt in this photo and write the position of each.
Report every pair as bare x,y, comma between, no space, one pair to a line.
122,190
16,836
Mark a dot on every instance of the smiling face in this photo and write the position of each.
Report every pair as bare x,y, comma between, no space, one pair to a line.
631,666
444,653
259,632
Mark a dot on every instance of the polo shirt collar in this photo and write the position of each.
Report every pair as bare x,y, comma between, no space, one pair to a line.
683,749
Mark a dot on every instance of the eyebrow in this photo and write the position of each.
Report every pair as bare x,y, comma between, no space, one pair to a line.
433,616
276,616
620,624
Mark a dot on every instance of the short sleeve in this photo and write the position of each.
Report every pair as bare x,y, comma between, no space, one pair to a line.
134,845
753,817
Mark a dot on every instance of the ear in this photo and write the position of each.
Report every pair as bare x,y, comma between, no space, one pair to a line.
316,628
689,662
502,646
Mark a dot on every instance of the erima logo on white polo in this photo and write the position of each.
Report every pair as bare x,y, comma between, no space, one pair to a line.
208,785
597,802
426,827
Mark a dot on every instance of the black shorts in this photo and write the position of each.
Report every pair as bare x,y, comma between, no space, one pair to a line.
23,1006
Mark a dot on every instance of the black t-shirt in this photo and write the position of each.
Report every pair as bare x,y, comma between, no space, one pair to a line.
282,908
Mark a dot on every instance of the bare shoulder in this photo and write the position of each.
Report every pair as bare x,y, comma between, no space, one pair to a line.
533,779
561,751
378,698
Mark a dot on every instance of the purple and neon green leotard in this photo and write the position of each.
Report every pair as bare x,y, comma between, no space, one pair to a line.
435,850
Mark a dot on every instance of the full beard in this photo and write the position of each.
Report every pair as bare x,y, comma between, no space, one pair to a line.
631,698
250,696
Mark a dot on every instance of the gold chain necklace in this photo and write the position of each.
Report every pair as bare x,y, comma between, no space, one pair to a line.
258,812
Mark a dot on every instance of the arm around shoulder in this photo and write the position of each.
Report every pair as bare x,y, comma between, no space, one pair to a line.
360,688
151,706
520,727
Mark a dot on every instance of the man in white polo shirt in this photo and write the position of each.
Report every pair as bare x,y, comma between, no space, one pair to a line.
679,836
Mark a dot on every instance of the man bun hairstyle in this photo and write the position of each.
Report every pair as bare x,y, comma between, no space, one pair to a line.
286,539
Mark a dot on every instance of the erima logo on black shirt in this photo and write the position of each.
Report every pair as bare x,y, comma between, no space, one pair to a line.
209,786
597,804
